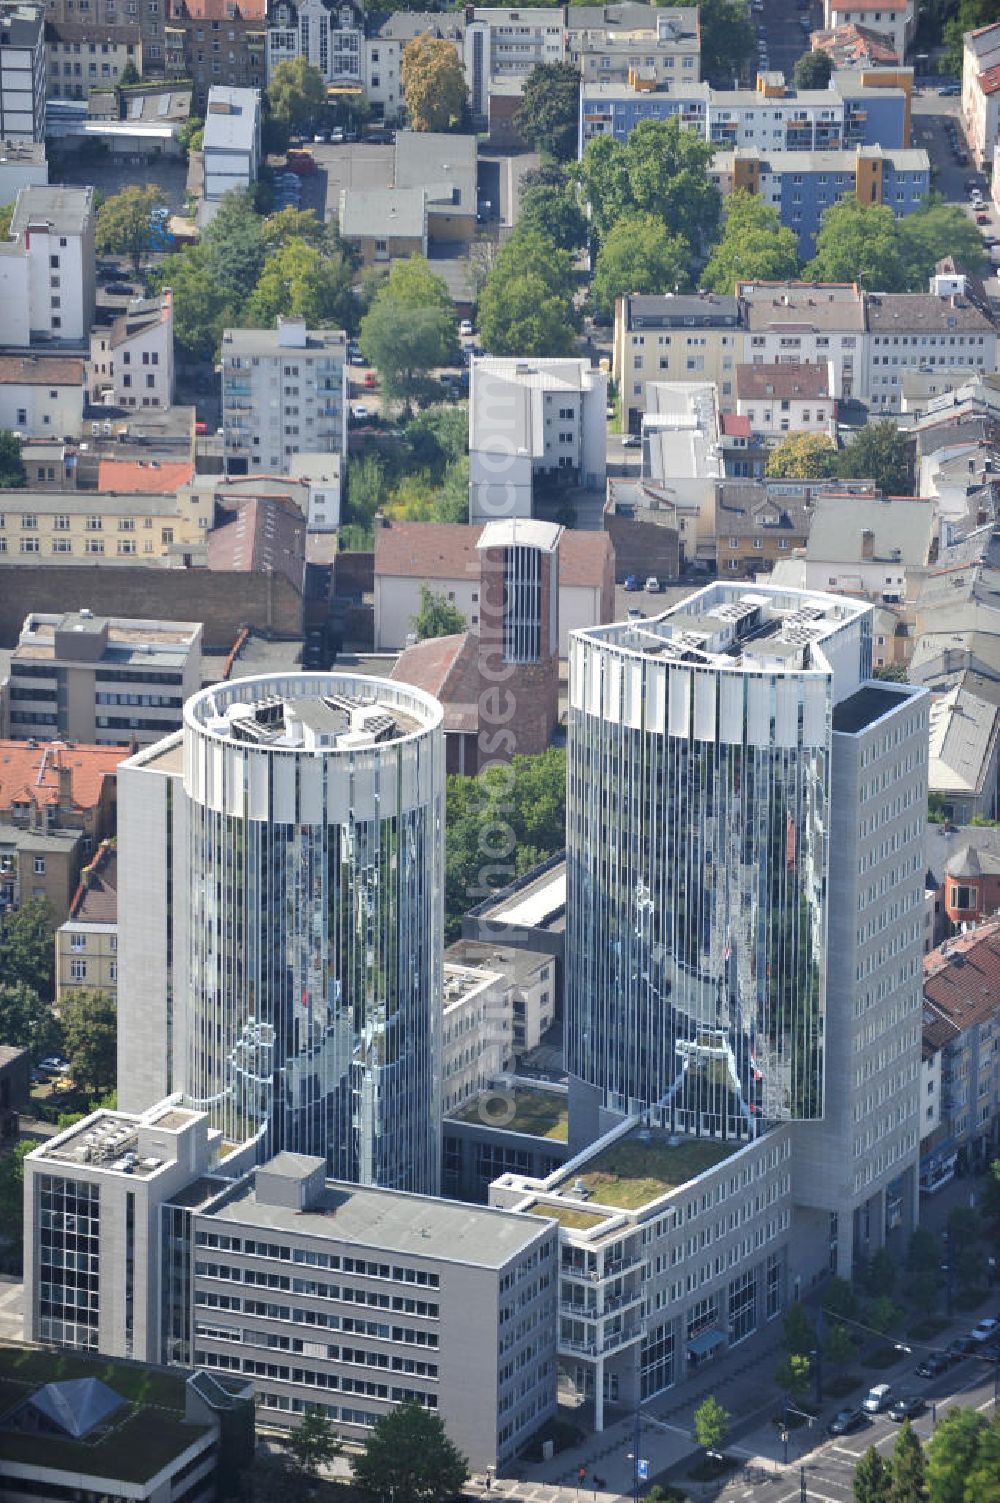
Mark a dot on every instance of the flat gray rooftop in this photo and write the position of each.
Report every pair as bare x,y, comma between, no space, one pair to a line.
394,1222
863,708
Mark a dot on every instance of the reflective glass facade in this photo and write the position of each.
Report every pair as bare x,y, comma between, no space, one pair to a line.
697,835
315,949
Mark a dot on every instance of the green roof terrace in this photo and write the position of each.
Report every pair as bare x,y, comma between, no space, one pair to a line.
644,1165
522,1109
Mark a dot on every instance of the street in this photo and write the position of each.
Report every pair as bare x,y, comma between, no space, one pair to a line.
780,27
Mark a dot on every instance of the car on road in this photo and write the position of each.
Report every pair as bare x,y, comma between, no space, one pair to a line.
847,1420
360,413
985,1329
354,355
949,91
635,614
465,328
933,1365
877,1398
653,585
906,1407
119,289
990,241
631,441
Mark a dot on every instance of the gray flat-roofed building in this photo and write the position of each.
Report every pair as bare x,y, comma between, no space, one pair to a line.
351,1300
232,139
22,73
284,392
382,223
100,679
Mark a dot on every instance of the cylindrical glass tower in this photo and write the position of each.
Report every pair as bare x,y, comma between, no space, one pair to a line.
697,832
316,864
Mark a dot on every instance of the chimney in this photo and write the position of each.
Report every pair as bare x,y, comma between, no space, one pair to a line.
867,543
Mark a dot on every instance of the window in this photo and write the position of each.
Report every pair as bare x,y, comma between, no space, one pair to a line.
30,545
78,970
39,866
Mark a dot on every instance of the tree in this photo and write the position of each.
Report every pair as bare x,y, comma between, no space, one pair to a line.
312,1445
298,279
802,456
793,1375
754,246
125,223
274,1479
924,1286
549,113
839,1348
639,254
526,306
991,1192
6,215
291,224
872,1478
191,136
26,948
129,76
436,616
883,1315
727,39
908,1484
234,244
813,70
711,1424
409,1458
200,307
858,243
798,1335
553,211
660,169
936,229
881,1275
90,1025
433,84
12,1205
878,452
528,800
27,1022
952,1453
923,1252
409,329
11,468
982,1485
296,93
839,1299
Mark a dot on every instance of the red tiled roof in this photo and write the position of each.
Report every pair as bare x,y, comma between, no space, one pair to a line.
447,550
30,774
989,81
804,382
36,370
736,425
141,477
96,899
855,43
962,977
223,10
448,668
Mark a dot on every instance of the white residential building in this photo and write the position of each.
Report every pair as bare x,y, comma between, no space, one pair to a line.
896,19
329,34
132,363
322,479
529,418
47,268
864,546
782,399
681,452
22,73
232,140
944,327
284,392
384,50
981,91
103,680
807,323
42,396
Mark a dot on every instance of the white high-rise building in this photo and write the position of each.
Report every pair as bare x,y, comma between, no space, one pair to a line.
281,919
284,392
22,72
745,822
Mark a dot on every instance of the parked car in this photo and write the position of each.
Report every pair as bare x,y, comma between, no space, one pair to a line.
53,1065
354,355
337,135
845,1421
465,328
314,650
949,91
630,582
634,613
906,1407
961,157
371,380
985,1329
933,1365
631,441
990,241
321,137
982,217
653,585
119,289
877,1398
359,412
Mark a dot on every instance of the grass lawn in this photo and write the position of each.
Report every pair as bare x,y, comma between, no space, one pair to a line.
542,1114
632,1172
568,1216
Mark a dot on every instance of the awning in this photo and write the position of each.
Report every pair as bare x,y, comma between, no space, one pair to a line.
337,91
705,1342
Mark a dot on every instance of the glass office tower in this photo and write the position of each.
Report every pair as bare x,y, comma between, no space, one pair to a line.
697,845
304,835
